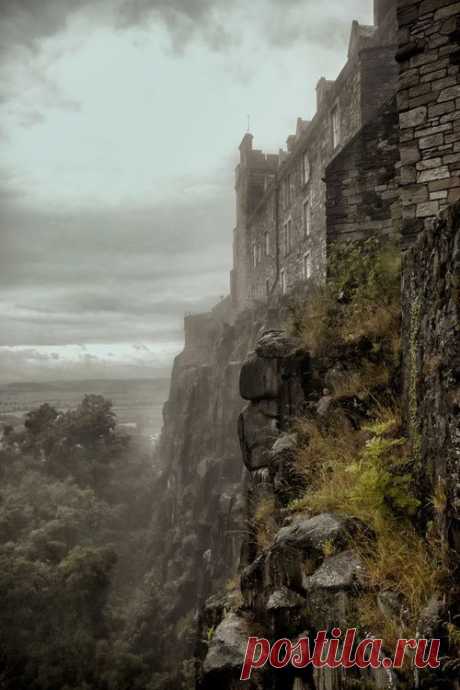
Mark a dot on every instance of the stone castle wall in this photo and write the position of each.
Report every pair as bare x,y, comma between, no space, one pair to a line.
281,236
431,349
429,101
362,182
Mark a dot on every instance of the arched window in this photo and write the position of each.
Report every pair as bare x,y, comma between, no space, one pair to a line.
336,134
283,281
306,169
306,268
307,217
267,244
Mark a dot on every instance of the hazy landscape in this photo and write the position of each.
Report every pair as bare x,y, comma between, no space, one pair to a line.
137,403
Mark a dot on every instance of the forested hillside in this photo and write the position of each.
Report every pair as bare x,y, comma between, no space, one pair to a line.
75,511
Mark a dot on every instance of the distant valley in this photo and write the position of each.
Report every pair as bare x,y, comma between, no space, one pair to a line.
138,403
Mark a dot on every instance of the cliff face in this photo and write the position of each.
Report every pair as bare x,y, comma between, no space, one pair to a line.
250,541
303,569
199,521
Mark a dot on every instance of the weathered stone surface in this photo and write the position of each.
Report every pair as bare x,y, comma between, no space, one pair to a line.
258,430
277,345
409,154
431,356
436,76
284,443
259,378
342,571
311,533
413,118
332,590
284,598
228,645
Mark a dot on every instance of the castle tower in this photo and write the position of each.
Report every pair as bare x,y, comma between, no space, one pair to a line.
254,174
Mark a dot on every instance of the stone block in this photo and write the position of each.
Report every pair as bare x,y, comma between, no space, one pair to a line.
414,194
429,163
431,141
449,11
451,158
449,93
441,109
430,208
454,195
408,174
439,173
413,118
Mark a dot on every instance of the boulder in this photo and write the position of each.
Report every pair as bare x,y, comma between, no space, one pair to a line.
258,429
276,344
228,645
311,533
285,442
341,572
284,599
259,379
298,549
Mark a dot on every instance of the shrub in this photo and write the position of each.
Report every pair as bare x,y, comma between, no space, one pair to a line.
360,300
367,473
265,521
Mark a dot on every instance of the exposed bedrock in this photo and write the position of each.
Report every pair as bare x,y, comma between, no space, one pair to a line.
274,380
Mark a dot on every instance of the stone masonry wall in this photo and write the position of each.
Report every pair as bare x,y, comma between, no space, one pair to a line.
429,101
362,184
431,349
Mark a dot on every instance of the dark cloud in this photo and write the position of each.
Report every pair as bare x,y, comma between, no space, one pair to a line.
99,275
26,22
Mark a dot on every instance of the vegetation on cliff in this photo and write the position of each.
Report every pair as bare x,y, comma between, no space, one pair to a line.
359,458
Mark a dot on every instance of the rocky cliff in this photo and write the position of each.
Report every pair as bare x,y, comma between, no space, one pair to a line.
199,521
301,475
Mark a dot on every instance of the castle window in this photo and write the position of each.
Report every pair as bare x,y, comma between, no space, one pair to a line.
287,237
291,182
306,267
306,168
259,253
254,254
285,194
335,115
283,281
267,244
307,217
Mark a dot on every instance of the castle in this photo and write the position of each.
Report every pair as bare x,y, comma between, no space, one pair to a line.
367,163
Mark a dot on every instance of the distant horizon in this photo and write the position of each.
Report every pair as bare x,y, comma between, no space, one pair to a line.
98,379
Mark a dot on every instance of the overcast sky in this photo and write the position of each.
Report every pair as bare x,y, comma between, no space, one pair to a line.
119,127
